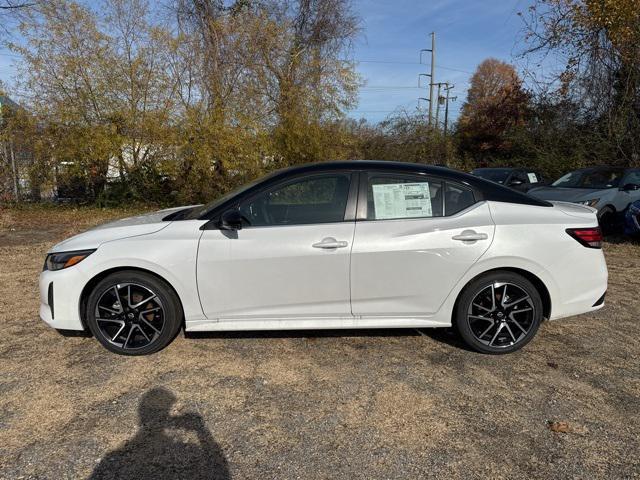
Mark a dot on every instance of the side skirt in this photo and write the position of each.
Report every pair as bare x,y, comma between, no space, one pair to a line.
311,323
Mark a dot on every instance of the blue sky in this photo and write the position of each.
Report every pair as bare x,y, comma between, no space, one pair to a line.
467,32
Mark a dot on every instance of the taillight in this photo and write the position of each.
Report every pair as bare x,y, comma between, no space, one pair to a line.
590,237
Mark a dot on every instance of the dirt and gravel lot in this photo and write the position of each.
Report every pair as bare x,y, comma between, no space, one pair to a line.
366,404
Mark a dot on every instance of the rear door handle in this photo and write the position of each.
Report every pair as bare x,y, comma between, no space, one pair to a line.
330,242
470,236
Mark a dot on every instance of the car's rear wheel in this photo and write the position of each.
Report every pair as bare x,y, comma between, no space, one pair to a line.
499,312
133,313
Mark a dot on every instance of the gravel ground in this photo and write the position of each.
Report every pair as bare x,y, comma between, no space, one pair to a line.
354,404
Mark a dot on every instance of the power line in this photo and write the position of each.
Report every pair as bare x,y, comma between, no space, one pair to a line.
391,62
372,111
389,87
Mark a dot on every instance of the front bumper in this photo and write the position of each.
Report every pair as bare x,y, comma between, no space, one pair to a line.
60,293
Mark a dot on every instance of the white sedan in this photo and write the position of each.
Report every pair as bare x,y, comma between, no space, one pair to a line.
333,245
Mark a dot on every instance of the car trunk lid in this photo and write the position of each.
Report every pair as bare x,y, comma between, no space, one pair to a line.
575,210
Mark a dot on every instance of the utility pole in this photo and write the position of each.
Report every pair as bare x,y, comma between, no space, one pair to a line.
446,108
439,101
432,74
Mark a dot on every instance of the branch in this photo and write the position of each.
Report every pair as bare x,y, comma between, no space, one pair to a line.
9,5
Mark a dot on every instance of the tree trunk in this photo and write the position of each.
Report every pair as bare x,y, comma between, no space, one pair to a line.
14,173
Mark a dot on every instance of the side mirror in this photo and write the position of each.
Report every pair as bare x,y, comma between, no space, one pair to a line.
515,183
631,187
231,220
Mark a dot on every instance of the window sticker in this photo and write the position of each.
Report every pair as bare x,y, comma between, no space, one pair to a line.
532,178
402,200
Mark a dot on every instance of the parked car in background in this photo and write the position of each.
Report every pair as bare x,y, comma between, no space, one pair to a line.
632,219
521,179
333,245
610,190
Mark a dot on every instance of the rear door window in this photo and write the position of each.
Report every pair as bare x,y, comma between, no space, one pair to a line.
392,197
405,196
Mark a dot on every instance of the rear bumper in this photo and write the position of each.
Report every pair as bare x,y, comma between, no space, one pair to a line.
583,286
60,293
600,301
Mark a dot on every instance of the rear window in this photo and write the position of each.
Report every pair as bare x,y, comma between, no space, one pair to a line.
457,198
498,175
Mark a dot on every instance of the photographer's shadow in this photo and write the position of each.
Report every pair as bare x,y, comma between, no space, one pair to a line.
166,446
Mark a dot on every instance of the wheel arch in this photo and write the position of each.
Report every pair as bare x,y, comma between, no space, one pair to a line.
534,279
609,207
90,285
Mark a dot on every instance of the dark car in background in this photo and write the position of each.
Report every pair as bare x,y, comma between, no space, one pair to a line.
521,179
610,190
632,220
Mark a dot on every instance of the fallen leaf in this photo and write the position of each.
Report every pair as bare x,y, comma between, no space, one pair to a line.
559,427
566,427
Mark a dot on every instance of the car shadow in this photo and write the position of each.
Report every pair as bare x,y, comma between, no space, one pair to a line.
165,446
442,335
448,336
328,333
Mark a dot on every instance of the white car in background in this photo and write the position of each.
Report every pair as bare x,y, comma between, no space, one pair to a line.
333,245
610,190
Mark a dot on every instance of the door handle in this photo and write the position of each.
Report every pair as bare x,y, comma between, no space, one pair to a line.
470,236
330,242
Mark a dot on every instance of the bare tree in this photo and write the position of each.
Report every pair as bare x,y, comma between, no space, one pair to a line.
12,5
597,45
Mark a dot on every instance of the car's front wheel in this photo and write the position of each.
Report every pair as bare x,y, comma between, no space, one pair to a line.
607,220
499,312
133,313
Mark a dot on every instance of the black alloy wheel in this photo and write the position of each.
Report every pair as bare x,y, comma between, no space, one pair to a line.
499,313
133,313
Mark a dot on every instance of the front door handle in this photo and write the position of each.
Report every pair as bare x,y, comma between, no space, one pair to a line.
470,236
330,242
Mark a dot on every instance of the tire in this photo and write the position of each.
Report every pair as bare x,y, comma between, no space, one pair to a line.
133,313
607,220
498,326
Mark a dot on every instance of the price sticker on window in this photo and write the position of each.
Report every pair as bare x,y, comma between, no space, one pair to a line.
402,200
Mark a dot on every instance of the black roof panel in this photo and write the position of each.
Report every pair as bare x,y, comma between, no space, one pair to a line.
489,190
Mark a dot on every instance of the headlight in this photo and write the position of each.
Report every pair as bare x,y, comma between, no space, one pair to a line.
58,261
589,203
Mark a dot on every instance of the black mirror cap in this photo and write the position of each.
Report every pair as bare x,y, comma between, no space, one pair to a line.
631,187
231,220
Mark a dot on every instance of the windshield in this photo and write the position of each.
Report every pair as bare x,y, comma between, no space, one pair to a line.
197,212
599,179
498,175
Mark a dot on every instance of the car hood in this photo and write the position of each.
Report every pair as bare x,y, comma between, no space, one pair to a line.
123,228
567,194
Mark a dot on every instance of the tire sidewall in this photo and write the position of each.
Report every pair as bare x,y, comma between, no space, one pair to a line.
170,302
607,220
469,293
